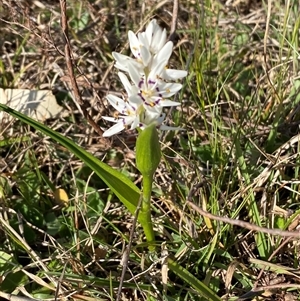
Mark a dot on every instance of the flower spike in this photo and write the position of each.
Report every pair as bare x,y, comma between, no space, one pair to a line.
150,84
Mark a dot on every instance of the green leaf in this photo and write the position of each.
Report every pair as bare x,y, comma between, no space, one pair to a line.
7,262
53,224
30,213
11,141
191,280
124,189
13,280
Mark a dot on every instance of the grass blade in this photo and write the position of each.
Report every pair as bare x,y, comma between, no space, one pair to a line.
190,279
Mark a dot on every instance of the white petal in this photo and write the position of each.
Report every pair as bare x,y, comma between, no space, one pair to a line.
127,120
156,36
159,40
143,40
161,118
164,54
134,75
169,89
157,70
135,100
151,116
168,103
153,109
145,55
173,74
123,60
135,123
134,43
117,102
127,85
149,31
111,119
114,129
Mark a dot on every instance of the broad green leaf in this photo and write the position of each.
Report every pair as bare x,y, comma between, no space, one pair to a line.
7,262
124,189
13,280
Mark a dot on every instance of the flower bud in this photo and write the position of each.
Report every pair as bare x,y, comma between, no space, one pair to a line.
148,152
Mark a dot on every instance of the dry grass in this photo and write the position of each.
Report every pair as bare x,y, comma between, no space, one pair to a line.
239,154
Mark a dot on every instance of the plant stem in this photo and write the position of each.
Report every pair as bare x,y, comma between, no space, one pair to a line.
145,213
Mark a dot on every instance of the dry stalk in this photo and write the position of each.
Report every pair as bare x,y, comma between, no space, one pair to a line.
69,62
239,223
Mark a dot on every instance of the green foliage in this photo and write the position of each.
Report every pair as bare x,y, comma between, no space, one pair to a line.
193,281
13,276
238,157
125,190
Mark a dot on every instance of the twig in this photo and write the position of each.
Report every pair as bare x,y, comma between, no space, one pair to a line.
174,20
239,223
69,63
255,292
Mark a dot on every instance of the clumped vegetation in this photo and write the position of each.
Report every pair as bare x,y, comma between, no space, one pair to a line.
63,233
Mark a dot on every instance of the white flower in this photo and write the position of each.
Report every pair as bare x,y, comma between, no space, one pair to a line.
143,62
160,59
148,43
132,116
149,91
130,111
140,48
129,117
152,91
156,36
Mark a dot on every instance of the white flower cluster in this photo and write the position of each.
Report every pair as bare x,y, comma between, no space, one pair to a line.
149,90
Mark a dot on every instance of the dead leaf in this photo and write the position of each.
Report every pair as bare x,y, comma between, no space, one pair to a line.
37,104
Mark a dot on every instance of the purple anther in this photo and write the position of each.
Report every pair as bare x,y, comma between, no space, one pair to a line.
141,96
151,82
141,82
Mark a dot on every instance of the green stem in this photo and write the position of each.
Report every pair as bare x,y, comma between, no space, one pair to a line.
148,154
145,213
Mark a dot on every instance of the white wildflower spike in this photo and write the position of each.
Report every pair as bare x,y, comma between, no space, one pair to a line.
152,91
150,88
